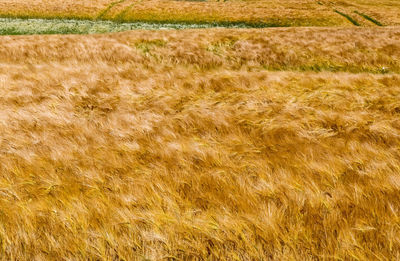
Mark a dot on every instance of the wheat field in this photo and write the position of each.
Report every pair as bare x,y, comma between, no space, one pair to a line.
206,144
261,13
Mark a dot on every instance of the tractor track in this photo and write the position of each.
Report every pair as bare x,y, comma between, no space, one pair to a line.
347,16
368,18
105,11
121,15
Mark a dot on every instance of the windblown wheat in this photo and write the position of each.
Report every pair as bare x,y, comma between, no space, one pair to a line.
201,144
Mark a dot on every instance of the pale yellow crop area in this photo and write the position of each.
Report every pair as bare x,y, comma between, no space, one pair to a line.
207,144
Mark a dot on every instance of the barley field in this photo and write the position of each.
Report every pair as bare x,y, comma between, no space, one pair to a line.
220,144
199,143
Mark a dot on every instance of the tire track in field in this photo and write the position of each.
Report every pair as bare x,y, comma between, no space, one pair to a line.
348,17
121,15
368,18
105,11
330,5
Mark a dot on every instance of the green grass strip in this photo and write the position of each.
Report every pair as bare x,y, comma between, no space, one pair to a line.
369,18
18,26
348,18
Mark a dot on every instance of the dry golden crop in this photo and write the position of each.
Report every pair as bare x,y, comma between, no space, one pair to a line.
53,9
258,12
201,144
369,12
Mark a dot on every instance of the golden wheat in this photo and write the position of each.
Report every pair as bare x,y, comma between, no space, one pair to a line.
53,9
262,12
188,145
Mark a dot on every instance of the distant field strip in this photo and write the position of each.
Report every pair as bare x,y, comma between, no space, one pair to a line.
17,26
260,12
271,12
